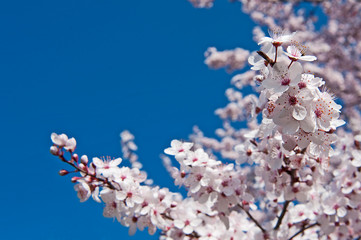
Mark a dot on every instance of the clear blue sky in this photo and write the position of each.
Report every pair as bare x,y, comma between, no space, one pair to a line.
91,69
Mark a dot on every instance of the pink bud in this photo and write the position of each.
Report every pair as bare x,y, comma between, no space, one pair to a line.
83,167
74,179
54,150
75,157
63,172
84,159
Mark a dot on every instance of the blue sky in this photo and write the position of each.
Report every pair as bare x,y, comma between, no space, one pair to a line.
91,69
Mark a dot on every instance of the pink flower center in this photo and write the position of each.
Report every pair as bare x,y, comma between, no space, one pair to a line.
292,100
302,85
199,177
285,82
225,183
318,112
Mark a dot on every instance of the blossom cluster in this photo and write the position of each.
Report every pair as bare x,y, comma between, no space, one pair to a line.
303,114
319,183
290,178
336,43
138,206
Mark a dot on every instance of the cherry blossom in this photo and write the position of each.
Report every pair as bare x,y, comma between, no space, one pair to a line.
63,141
282,77
107,167
296,53
292,173
277,38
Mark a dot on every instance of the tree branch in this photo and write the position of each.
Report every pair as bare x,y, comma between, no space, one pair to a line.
266,58
105,181
253,219
283,213
303,229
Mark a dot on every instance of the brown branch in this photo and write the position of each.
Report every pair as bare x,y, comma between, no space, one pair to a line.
266,58
283,213
303,229
253,219
105,181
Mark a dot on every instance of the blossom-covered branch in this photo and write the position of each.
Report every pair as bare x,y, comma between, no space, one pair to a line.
290,175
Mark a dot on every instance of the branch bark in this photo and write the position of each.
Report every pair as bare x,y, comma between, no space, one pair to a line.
303,229
283,213
253,219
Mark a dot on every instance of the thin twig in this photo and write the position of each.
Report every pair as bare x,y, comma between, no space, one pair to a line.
253,219
303,229
280,218
267,58
105,181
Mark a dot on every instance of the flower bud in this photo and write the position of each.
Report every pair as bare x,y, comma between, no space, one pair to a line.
54,150
84,159
75,157
75,179
173,204
83,167
63,172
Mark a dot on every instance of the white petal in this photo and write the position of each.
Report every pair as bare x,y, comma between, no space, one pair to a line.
324,124
268,83
178,223
129,202
357,158
188,229
95,195
70,144
251,60
308,124
289,142
187,145
291,127
115,162
308,58
170,151
97,162
299,112
341,212
175,143
54,137
337,123
295,70
59,140
195,222
120,195
265,40
137,199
